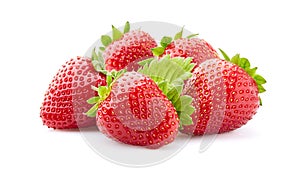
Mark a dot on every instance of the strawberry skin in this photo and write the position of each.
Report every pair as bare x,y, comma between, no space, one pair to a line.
196,48
137,112
131,48
65,103
224,95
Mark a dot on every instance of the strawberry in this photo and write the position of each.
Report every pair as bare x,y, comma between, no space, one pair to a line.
144,108
225,95
198,49
125,49
64,104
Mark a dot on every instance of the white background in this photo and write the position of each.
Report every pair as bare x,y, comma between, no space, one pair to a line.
36,37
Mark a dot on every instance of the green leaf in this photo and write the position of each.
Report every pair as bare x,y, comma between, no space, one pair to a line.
102,48
97,65
94,55
179,34
165,41
245,63
167,68
102,91
224,55
189,109
251,71
191,36
157,51
261,89
106,40
185,119
93,111
116,33
93,100
127,27
241,63
100,58
259,79
184,63
113,73
146,61
177,82
163,85
97,61
184,101
178,104
184,107
119,73
188,66
235,59
108,80
260,101
174,94
185,76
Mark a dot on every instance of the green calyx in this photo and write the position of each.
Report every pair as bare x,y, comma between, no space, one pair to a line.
169,74
103,91
98,61
245,64
116,35
166,40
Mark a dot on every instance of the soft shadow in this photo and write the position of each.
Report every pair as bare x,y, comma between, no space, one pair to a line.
85,129
238,134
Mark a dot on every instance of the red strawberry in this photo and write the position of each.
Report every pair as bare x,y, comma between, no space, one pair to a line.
125,49
143,108
196,48
65,103
142,115
225,95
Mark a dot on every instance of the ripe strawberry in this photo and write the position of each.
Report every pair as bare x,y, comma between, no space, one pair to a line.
225,95
64,104
144,108
198,49
125,49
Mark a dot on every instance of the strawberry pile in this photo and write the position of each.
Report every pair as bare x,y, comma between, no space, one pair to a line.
142,93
